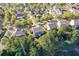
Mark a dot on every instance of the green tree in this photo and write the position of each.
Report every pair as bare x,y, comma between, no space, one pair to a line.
13,19
16,23
75,35
29,21
47,17
5,23
23,22
11,52
48,42
33,51
35,20
66,28
69,15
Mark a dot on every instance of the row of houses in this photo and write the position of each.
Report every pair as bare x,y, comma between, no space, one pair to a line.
37,29
52,24
14,32
71,9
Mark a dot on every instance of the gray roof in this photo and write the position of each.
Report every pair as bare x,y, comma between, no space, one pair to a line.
37,29
18,32
53,21
51,25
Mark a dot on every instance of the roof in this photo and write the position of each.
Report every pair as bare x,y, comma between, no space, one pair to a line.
17,32
38,33
10,27
53,21
8,33
37,29
63,21
22,5
74,22
20,14
50,25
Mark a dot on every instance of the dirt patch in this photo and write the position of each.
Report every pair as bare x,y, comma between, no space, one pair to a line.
2,46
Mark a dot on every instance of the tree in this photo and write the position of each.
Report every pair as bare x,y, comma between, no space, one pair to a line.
35,20
62,36
31,40
13,19
48,42
5,23
7,15
29,21
66,28
11,52
75,35
16,23
69,15
6,19
23,22
33,51
47,17
25,43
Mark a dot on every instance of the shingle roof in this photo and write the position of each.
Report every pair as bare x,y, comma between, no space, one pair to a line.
18,32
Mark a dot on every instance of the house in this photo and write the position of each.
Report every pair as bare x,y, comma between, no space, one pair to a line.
8,34
25,28
37,24
37,31
22,5
74,22
18,32
10,27
54,21
72,9
9,31
63,22
57,10
15,32
69,8
52,24
20,15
